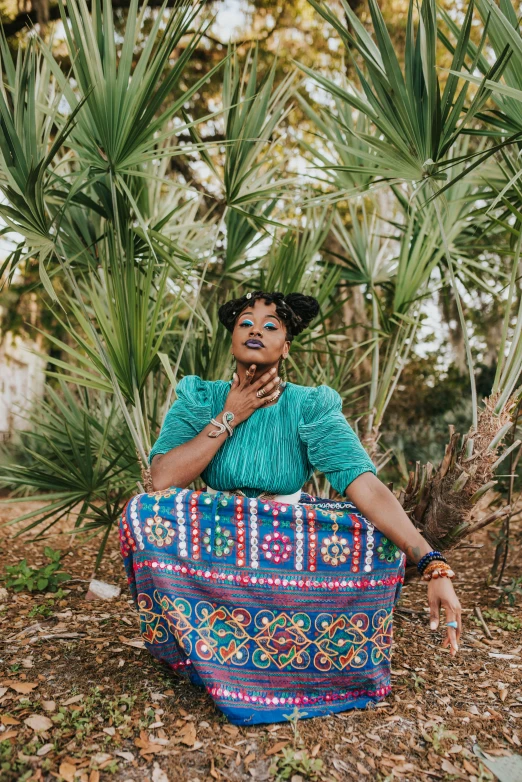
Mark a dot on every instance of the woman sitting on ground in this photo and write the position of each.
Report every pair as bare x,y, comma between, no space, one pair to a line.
267,596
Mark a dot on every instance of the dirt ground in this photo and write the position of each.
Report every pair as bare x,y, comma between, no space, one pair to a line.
81,700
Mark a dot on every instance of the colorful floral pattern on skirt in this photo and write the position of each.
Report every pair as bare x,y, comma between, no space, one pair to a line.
266,605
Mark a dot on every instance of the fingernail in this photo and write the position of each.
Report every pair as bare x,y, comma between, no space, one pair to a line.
433,624
278,378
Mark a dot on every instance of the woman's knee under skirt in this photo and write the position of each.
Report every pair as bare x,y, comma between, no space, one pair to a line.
264,604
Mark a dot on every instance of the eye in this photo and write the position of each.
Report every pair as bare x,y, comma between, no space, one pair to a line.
247,322
270,325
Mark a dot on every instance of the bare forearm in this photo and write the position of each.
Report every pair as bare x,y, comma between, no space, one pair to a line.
382,508
183,464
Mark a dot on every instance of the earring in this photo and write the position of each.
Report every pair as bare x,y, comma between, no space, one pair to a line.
282,372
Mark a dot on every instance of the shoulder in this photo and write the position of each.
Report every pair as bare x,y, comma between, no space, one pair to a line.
193,390
317,401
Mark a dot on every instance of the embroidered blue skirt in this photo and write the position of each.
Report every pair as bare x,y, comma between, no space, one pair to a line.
268,606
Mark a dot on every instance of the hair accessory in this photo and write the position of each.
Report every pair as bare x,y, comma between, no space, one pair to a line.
452,624
431,556
227,417
249,295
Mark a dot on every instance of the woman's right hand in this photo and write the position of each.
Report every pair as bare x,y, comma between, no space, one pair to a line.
242,398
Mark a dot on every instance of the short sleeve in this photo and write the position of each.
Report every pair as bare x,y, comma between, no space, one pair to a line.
187,416
332,445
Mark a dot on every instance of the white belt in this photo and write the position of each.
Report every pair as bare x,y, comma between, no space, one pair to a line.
289,499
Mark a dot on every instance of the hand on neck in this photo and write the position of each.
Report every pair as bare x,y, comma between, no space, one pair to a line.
261,369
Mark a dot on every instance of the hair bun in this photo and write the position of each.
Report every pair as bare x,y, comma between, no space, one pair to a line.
305,307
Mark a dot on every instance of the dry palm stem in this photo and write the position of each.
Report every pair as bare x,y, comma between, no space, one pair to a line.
145,476
440,501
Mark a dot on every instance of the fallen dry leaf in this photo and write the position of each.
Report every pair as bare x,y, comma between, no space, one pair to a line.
6,719
74,699
67,771
44,750
9,734
38,722
49,705
213,773
187,734
146,747
21,687
277,747
450,768
470,768
137,643
158,775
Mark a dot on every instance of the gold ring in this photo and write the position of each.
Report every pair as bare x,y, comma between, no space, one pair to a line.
262,392
275,396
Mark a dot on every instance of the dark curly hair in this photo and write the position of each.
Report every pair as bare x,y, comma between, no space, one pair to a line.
295,310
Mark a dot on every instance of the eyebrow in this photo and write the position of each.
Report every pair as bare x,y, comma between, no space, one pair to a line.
249,312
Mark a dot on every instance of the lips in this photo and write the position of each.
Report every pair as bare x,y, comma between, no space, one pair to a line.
254,343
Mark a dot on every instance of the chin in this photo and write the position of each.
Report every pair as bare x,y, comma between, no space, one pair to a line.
253,356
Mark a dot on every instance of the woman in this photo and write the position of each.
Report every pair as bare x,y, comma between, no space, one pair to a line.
268,597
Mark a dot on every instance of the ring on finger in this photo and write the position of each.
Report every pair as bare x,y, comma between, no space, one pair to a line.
452,624
261,393
274,396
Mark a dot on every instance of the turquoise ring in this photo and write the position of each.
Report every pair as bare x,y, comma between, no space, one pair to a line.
452,624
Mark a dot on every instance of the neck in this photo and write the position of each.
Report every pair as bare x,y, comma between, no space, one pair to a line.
260,370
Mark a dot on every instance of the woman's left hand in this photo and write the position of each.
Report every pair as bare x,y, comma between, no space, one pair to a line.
441,593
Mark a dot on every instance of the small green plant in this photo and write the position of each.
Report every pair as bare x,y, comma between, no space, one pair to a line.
296,762
418,681
46,609
293,719
510,592
439,735
500,619
45,579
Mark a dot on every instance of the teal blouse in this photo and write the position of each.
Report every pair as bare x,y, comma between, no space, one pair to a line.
278,447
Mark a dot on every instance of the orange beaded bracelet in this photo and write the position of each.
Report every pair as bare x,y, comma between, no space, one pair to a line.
437,569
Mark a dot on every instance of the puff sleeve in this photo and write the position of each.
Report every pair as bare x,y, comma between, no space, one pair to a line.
187,416
332,445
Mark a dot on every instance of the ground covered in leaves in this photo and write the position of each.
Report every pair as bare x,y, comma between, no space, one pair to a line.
81,700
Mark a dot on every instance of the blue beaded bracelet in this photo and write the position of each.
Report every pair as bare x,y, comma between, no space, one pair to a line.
423,563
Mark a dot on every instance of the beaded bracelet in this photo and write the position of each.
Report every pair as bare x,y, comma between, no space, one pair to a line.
431,556
437,569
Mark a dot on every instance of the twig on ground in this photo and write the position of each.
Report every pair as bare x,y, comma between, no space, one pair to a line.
478,614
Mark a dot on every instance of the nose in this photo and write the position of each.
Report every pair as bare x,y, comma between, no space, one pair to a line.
255,331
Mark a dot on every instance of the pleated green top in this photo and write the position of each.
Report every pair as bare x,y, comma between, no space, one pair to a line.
275,450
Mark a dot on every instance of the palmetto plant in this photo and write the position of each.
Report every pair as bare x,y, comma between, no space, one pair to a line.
94,204
141,268
413,125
